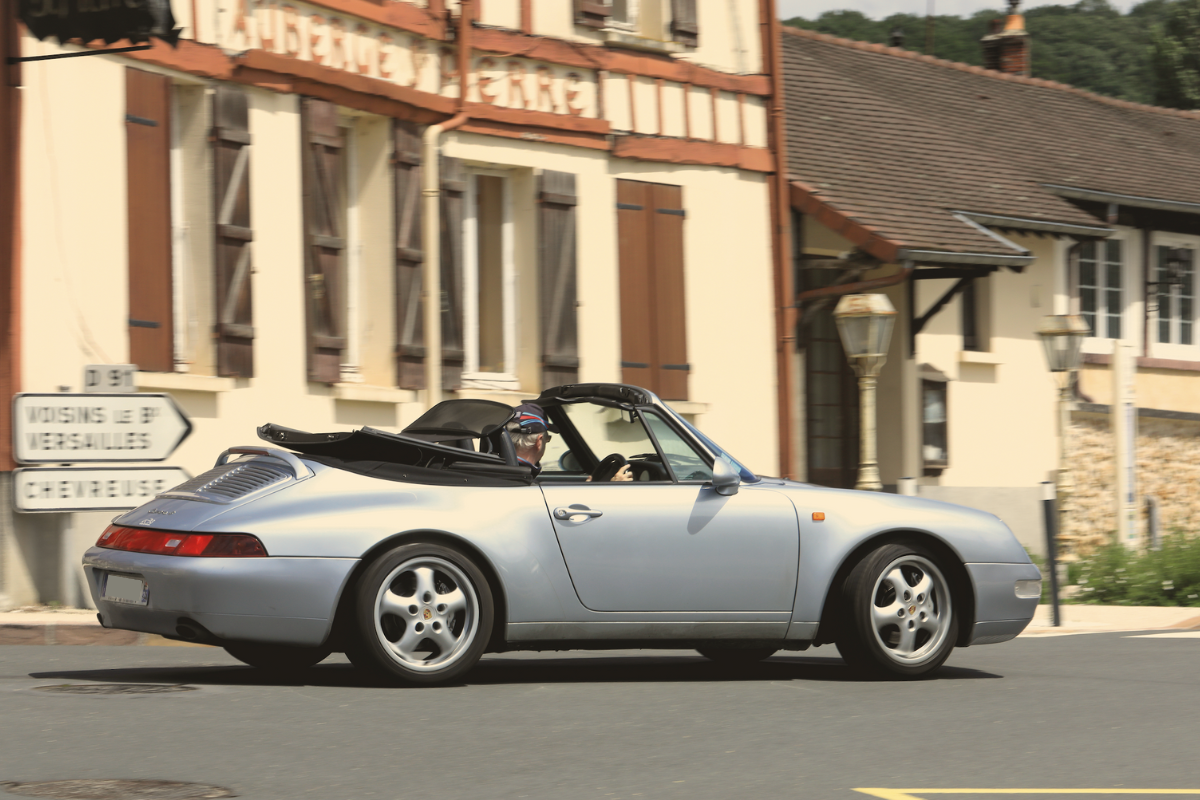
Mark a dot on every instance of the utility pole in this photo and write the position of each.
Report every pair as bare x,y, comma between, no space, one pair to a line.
929,28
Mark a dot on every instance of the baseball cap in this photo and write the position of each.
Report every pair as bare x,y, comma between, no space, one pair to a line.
530,418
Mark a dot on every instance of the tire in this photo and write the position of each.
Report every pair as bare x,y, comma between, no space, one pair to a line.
423,614
733,655
277,657
898,617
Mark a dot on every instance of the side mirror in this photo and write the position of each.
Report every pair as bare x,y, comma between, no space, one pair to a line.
725,479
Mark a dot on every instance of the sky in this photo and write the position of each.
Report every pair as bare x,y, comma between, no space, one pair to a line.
878,9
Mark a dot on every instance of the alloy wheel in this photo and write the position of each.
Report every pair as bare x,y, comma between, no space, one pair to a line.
426,613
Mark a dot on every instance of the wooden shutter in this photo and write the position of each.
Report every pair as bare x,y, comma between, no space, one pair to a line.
410,257
454,187
670,324
231,172
324,240
556,274
592,13
637,288
653,320
685,27
148,171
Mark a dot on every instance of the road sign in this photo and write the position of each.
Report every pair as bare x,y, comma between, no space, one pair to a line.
91,488
65,428
109,378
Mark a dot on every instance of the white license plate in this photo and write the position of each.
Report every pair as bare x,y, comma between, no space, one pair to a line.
126,589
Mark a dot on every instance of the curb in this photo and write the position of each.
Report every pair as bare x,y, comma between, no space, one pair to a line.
53,633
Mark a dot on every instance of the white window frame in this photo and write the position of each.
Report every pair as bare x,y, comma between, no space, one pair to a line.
1172,350
472,378
1132,292
630,25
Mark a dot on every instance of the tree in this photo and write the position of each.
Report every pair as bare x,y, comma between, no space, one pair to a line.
1176,56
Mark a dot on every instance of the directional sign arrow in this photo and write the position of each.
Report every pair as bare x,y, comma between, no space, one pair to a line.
91,488
65,428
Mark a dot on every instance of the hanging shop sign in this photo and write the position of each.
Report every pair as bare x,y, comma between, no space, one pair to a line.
68,428
91,488
110,20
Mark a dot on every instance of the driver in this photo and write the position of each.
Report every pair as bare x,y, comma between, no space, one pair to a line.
530,433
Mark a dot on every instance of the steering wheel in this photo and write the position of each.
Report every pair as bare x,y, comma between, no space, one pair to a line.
608,467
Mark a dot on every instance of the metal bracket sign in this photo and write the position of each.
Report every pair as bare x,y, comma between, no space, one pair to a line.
91,488
109,378
69,428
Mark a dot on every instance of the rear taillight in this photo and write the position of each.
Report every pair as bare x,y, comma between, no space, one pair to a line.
167,543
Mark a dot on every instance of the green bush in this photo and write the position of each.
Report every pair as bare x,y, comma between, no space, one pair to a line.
1115,575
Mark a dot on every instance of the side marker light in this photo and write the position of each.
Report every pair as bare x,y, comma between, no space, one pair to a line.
818,516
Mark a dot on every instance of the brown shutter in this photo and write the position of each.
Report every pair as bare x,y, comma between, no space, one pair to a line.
670,324
148,170
410,257
637,287
454,187
231,171
324,240
556,274
592,13
653,321
685,27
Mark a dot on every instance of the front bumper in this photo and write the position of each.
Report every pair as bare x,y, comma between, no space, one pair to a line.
271,600
999,613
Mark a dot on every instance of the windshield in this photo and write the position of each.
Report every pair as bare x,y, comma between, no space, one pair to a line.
745,473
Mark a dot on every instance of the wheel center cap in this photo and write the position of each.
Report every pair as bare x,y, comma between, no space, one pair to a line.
911,610
427,614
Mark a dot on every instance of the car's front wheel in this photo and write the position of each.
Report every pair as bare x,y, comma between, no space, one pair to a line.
277,657
423,613
898,613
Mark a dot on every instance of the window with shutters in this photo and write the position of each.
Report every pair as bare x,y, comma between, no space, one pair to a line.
489,302
650,220
642,22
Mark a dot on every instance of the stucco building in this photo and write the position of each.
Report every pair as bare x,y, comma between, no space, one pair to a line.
332,213
980,201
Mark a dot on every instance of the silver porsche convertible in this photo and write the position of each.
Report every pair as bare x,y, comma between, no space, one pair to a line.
416,553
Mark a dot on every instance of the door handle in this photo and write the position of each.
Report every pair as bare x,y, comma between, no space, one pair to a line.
576,513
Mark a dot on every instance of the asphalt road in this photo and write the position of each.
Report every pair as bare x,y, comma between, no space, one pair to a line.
1086,712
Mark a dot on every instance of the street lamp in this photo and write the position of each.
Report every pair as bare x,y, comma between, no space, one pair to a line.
1062,336
865,323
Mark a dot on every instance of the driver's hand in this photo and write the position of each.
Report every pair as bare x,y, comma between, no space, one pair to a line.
623,474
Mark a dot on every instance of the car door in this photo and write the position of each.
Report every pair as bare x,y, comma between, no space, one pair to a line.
667,545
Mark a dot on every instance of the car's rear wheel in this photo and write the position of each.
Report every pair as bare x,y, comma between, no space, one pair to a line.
277,657
423,613
898,613
734,655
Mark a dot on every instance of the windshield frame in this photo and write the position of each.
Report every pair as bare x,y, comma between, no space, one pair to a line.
714,449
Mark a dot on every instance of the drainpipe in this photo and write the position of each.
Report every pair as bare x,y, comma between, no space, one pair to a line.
432,222
780,205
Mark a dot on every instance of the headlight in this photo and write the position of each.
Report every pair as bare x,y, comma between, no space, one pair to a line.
1029,588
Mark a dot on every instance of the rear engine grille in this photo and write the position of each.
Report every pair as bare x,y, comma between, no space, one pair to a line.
228,482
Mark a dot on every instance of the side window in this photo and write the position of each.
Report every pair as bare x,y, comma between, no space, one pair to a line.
685,462
604,431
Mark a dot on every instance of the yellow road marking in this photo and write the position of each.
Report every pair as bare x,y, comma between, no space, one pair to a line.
911,794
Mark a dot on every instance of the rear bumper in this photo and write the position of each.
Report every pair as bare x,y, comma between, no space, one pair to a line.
999,614
272,600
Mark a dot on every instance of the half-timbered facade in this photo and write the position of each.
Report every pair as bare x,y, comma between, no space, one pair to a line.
331,213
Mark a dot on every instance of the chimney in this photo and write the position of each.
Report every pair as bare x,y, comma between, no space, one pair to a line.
896,37
1007,47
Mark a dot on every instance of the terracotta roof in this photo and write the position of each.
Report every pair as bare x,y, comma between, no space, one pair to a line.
895,142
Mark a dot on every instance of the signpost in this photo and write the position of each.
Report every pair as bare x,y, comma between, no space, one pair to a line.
1124,423
109,378
65,428
91,488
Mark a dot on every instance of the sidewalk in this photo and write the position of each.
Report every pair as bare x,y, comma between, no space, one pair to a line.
80,626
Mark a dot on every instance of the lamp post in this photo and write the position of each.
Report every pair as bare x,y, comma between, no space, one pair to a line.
864,322
1062,336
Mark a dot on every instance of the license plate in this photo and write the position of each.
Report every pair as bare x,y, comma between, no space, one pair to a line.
126,589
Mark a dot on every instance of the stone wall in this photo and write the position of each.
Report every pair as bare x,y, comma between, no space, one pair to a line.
1168,467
